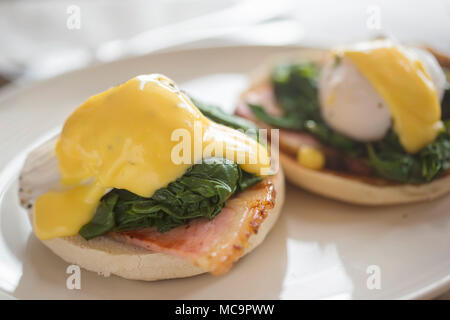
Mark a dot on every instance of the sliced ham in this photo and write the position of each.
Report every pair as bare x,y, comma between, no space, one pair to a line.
242,110
213,245
263,95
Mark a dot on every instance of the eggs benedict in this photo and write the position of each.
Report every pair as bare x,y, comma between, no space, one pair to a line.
141,184
364,123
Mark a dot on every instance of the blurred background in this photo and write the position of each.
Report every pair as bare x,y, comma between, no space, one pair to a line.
41,38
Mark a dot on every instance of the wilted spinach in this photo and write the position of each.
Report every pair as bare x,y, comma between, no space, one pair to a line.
201,192
390,161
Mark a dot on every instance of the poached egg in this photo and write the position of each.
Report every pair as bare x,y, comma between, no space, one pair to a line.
367,88
127,137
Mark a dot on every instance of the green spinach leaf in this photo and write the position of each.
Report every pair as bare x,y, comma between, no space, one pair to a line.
201,192
390,161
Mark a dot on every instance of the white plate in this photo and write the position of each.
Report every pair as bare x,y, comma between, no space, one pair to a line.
318,249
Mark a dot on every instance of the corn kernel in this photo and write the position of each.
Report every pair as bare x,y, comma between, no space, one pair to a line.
311,158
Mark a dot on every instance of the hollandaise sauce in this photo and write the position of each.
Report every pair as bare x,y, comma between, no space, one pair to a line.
401,79
127,137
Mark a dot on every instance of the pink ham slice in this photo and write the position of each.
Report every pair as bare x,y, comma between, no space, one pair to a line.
261,95
213,245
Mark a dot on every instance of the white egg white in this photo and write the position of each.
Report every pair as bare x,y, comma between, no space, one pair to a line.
350,104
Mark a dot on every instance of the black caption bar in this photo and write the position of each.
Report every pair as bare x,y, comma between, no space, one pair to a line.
217,309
